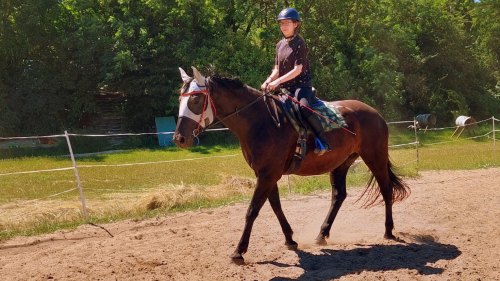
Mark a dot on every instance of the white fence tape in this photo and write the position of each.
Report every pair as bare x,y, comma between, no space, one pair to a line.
192,159
32,137
38,171
139,134
454,127
101,135
53,195
404,144
400,122
481,136
166,161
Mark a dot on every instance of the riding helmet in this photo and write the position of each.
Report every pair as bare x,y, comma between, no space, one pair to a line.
289,13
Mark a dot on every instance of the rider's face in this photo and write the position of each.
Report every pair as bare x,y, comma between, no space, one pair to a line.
287,27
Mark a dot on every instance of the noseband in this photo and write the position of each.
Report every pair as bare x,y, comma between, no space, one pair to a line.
206,92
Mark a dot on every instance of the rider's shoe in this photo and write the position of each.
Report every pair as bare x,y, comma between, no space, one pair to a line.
318,130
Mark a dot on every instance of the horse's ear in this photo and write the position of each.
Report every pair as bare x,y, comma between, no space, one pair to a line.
200,80
184,76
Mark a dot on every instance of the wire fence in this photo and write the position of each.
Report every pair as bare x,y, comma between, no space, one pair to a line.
75,167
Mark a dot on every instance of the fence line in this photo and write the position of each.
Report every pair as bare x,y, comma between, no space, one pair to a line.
102,135
53,195
404,144
454,127
38,171
460,139
406,164
32,137
192,159
399,122
166,161
209,130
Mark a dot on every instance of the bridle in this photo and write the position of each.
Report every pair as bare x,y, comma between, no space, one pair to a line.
208,96
206,92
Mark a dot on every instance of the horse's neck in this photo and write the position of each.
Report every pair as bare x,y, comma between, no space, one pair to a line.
245,118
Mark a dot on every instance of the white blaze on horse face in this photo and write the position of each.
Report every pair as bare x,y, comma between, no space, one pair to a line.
185,112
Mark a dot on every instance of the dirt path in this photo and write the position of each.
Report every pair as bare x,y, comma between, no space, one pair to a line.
451,225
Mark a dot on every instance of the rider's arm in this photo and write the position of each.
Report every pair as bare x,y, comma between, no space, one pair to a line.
273,75
290,75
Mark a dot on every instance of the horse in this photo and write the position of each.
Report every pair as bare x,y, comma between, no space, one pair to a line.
268,149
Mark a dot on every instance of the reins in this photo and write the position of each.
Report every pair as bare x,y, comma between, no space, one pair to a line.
207,93
199,130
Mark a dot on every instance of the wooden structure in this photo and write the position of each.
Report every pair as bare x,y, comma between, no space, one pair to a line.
426,120
465,123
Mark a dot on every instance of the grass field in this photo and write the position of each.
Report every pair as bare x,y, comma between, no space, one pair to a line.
216,175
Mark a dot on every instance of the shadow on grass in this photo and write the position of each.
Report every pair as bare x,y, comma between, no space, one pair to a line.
333,264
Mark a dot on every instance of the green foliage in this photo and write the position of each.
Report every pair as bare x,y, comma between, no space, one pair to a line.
403,57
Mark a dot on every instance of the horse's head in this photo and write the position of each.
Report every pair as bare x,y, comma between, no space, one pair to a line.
195,109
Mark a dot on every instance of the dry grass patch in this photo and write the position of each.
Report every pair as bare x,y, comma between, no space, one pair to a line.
25,217
172,196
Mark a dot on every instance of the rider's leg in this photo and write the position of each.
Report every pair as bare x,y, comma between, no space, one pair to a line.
305,95
318,130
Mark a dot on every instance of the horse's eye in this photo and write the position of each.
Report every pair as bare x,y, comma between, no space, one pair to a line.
196,100
195,104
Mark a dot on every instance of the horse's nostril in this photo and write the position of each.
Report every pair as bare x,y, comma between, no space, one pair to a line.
182,139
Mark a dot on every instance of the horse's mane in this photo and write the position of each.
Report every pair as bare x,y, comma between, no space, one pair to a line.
215,79
228,82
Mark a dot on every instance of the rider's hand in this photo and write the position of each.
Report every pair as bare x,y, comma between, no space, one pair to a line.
273,85
264,85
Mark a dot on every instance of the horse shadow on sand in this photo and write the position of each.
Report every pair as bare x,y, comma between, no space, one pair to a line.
333,264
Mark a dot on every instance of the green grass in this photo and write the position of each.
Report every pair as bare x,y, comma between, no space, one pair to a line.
105,186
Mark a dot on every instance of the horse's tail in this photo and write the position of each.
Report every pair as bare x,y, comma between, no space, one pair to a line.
400,190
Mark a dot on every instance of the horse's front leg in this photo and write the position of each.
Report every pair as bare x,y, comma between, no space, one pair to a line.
339,193
274,200
262,191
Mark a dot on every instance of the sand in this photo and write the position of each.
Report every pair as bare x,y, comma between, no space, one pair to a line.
450,226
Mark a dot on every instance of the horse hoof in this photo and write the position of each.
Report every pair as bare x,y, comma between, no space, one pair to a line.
394,238
292,246
389,236
320,242
237,259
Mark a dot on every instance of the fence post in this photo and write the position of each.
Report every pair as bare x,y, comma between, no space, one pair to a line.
77,178
494,145
416,138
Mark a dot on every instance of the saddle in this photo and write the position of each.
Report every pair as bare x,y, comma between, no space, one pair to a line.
331,119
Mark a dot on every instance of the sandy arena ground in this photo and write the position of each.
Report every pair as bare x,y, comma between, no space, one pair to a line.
450,223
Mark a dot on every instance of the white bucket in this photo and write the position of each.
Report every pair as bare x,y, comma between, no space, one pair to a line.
465,121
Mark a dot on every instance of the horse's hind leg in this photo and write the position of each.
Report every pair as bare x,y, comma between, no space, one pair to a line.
274,200
339,193
381,171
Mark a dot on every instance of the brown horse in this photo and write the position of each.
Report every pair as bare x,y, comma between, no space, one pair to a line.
269,149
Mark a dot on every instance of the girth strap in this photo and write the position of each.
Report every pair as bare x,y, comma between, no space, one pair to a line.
275,118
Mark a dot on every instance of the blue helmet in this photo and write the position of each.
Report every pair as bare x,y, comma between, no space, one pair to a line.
289,14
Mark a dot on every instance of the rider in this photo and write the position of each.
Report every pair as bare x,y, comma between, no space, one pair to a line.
291,70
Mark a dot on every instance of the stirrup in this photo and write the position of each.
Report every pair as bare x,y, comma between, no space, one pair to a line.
320,149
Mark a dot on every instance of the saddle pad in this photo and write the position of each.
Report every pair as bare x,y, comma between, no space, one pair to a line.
324,108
